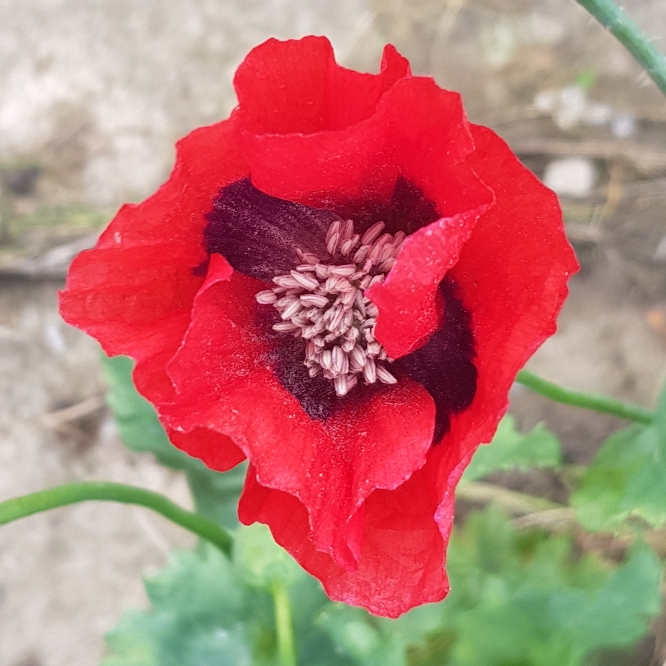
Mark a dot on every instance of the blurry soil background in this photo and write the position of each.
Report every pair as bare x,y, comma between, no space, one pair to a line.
92,97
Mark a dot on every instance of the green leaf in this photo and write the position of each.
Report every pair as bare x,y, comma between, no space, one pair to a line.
616,613
547,626
376,641
137,422
260,560
207,611
623,480
368,641
215,494
627,478
511,449
202,615
522,598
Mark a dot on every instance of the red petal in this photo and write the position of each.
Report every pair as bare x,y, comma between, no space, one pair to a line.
224,382
401,562
417,130
410,310
297,87
134,290
219,452
376,442
299,110
429,143
512,276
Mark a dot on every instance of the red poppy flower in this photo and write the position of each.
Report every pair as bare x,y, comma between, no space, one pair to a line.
339,283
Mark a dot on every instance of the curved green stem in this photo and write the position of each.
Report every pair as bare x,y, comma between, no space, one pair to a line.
620,25
20,507
283,625
593,401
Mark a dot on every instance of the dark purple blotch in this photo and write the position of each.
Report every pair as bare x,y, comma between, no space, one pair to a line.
316,394
444,365
407,210
258,234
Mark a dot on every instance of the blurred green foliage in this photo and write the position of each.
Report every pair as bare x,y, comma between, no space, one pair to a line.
512,450
627,478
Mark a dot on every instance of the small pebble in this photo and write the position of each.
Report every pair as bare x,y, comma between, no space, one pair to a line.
571,177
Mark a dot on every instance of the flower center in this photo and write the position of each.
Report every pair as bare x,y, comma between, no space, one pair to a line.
324,303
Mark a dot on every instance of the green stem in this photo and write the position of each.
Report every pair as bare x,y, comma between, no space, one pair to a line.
598,403
283,626
613,18
20,507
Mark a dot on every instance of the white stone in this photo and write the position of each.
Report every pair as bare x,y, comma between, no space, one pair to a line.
623,125
571,177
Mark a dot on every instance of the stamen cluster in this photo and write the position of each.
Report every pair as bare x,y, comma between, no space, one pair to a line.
324,303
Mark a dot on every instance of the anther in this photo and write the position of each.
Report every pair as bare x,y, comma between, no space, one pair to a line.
310,258
348,297
398,240
266,297
286,281
347,229
291,310
326,359
372,233
332,243
361,254
343,271
370,371
341,385
348,245
306,281
338,358
285,327
336,320
335,228
374,348
348,345
386,265
314,299
385,376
